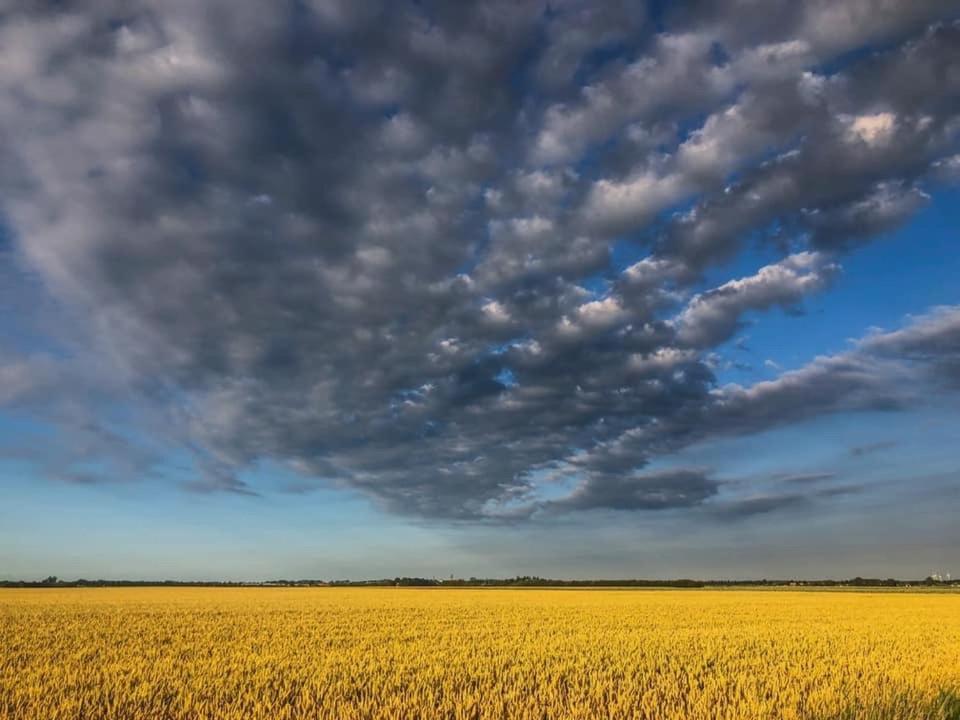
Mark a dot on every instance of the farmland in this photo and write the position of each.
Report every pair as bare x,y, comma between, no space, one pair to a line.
344,653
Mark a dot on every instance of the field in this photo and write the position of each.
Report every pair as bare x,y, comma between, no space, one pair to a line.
343,653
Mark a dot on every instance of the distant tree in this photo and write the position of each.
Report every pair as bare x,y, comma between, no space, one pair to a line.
50,580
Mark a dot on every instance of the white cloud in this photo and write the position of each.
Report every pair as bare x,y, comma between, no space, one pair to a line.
872,129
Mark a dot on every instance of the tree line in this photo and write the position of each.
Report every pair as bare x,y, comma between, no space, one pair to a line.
53,581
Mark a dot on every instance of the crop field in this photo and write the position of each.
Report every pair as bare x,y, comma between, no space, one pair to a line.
344,653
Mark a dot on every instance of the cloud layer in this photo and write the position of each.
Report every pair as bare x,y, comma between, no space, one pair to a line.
373,242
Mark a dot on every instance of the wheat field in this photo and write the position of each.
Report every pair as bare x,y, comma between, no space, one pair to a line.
344,653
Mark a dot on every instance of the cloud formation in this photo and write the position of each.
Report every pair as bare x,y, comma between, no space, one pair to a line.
362,239
650,491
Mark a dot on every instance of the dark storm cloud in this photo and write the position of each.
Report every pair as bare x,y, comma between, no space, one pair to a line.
354,238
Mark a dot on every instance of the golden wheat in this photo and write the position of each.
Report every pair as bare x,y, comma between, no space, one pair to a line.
403,653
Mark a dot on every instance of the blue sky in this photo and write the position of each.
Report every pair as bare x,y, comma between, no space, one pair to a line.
569,290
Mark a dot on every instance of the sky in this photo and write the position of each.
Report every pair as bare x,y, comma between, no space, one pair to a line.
355,289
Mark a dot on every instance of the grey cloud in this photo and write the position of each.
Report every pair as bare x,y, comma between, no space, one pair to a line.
841,491
870,448
806,478
734,136
827,26
712,317
20,380
676,76
579,27
875,375
68,443
681,73
933,343
219,479
947,170
648,491
859,380
884,208
828,384
364,239
868,137
932,335
760,505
